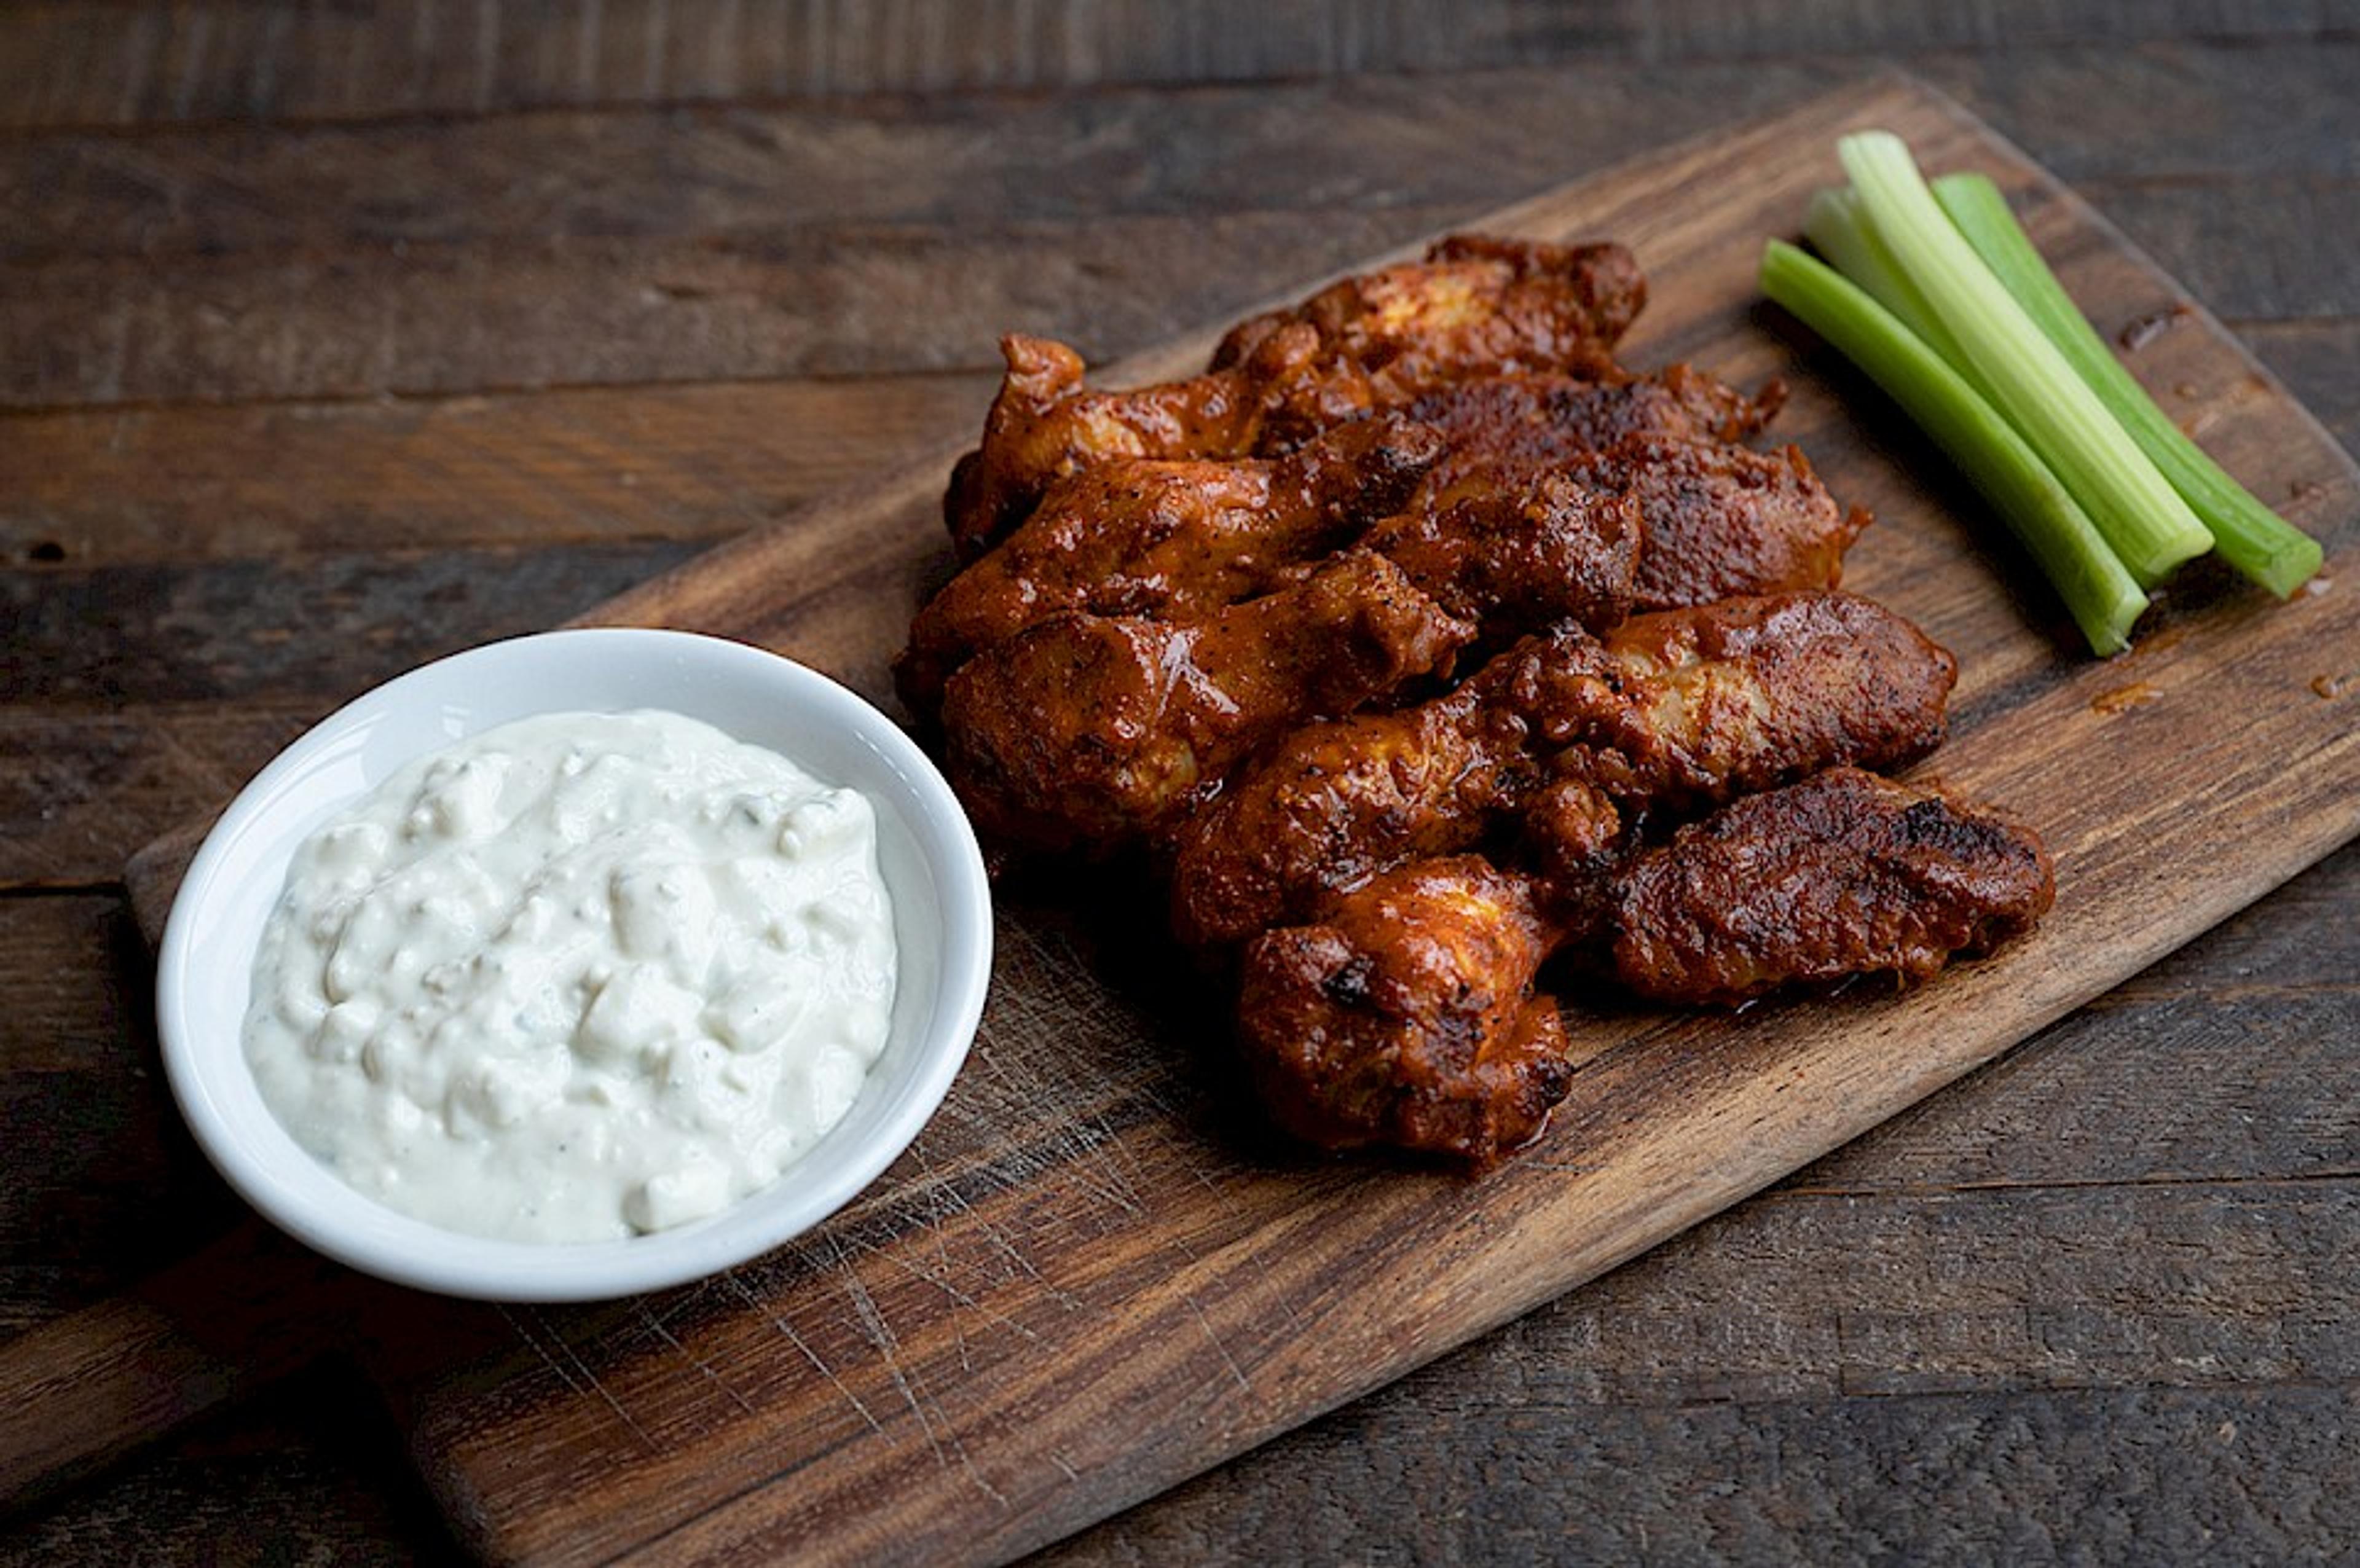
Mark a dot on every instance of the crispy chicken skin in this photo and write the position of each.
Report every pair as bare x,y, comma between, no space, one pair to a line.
1084,731
1513,549
1696,705
1561,419
1474,307
1560,737
1843,874
1408,1017
1175,538
1721,519
1045,424
1725,520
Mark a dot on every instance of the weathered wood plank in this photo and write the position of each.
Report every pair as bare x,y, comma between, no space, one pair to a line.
2320,362
148,485
135,62
99,1184
760,171
434,318
315,625
2203,231
963,160
283,1481
353,262
145,695
82,786
2128,1475
2179,110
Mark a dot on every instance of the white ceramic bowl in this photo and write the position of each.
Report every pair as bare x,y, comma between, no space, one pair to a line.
941,916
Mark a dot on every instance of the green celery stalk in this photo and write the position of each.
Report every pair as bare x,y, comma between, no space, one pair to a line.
2098,593
2151,528
1838,230
2250,537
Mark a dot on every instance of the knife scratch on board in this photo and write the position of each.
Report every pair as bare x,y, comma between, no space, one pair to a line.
935,1198
703,1366
879,1335
586,1383
957,1296
1204,1325
939,1429
787,1329
1085,1143
1110,1153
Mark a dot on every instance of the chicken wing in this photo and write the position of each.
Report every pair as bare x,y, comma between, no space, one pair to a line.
1408,1017
1084,731
1843,874
1561,418
1408,1014
1167,537
1561,736
1513,549
1724,520
1045,424
1474,306
1721,519
1367,344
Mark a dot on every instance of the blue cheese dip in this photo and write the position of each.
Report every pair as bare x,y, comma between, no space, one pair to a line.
576,978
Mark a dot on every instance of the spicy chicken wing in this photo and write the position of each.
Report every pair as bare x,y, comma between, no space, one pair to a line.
1045,424
1364,344
1562,419
1474,306
1408,1014
1721,519
1214,606
1175,537
1693,706
1725,520
1514,548
1408,1017
1084,731
1843,874
1566,731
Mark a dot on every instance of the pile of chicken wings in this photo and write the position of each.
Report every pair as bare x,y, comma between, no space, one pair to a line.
1417,644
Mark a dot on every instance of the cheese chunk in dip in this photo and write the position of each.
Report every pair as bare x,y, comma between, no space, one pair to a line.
576,978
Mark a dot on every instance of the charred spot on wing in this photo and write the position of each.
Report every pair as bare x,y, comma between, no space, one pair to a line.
1348,985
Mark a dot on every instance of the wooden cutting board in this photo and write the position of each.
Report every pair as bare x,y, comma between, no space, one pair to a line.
1094,1275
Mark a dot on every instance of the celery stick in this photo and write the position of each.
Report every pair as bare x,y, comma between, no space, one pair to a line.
2098,593
2150,528
2251,537
1838,230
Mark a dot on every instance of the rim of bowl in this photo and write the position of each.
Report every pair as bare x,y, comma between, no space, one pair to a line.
211,1083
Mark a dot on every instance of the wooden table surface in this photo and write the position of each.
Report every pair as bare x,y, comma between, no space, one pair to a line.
338,338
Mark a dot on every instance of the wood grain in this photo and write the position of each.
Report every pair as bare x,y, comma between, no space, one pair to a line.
1092,1276
572,249
79,1392
126,62
106,487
